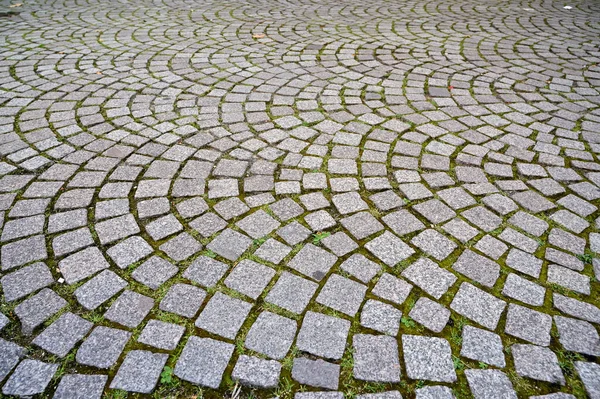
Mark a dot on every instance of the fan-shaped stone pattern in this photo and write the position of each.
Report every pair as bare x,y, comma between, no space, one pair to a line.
340,194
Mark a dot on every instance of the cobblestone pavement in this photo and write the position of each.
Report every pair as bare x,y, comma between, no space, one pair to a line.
314,200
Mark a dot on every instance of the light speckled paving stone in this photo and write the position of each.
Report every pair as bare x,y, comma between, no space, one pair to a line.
349,203
271,335
117,228
26,280
389,248
494,149
430,314
203,361
524,262
523,290
31,377
569,279
434,392
286,209
62,335
183,299
230,244
316,373
392,288
205,271
589,373
273,251
161,335
82,265
376,358
249,278
181,247
380,317
35,310
428,358
537,363
558,395
129,251
291,292
154,272
433,243
360,267
342,294
492,384
577,336
22,227
403,222
3,321
163,227
483,346
102,347
477,305
139,371
323,335
529,325
129,309
477,267
256,372
429,277
313,262
223,315
99,289
293,233
80,386
258,224
319,395
11,355
23,251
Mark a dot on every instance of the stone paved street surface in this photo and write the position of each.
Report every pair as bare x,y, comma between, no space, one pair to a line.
300,199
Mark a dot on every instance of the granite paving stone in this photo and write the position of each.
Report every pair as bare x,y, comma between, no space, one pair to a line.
26,280
31,377
376,358
428,358
203,361
249,278
537,362
477,305
37,309
11,355
102,347
205,271
430,314
256,372
161,335
291,292
316,373
342,294
62,335
429,277
99,289
323,335
380,317
483,346
183,299
589,373
490,384
223,315
139,371
295,176
81,386
271,335
577,335
129,309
